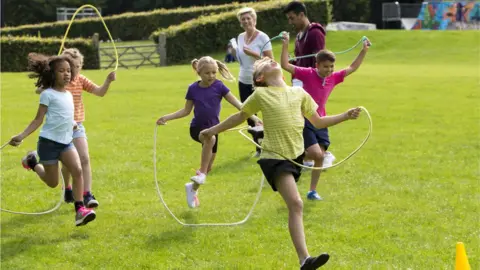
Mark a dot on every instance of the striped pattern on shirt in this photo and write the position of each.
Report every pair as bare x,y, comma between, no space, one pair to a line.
283,111
76,87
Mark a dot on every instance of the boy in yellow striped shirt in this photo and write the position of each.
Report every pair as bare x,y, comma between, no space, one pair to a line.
283,109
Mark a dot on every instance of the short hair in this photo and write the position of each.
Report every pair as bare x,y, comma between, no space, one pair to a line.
296,7
325,55
247,10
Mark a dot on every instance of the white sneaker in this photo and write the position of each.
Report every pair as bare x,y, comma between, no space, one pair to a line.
192,198
309,163
199,178
328,159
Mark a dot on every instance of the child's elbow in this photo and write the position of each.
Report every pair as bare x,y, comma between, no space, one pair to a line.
319,125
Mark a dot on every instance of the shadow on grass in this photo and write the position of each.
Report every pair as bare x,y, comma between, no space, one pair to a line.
240,164
180,233
14,243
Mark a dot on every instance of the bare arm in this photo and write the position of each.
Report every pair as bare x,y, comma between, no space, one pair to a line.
268,54
328,121
231,122
34,125
178,114
235,103
284,58
358,61
102,90
251,53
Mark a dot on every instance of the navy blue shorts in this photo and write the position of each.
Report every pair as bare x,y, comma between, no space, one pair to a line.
195,133
312,135
49,151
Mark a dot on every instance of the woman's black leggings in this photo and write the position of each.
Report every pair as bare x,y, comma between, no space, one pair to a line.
245,91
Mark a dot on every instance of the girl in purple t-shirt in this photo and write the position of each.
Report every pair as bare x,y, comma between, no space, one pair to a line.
204,97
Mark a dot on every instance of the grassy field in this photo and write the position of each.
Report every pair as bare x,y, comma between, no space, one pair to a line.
401,203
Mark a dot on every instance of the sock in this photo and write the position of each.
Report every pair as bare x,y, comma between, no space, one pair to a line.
85,193
78,205
69,187
304,260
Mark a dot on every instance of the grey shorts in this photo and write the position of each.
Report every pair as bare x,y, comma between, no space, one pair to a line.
49,151
80,132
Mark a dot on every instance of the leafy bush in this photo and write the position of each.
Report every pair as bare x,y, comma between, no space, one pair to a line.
16,49
127,26
208,34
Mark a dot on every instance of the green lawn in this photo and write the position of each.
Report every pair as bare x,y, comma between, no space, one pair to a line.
401,203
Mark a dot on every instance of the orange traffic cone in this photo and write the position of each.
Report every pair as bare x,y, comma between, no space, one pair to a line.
461,260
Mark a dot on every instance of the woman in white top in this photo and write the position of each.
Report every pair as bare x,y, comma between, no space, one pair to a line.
247,52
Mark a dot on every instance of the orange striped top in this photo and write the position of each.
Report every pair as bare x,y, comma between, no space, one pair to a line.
76,87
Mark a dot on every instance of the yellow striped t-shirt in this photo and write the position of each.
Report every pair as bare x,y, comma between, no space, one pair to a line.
283,111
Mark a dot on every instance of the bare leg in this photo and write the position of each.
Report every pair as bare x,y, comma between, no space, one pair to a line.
315,152
210,165
207,154
66,176
287,187
48,174
71,160
81,145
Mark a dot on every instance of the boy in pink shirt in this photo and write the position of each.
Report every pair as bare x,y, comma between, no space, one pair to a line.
319,83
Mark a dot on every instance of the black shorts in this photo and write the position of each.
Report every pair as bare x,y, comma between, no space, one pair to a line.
312,135
195,132
272,168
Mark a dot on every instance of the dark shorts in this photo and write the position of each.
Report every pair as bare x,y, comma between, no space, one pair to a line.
49,151
272,168
312,135
195,132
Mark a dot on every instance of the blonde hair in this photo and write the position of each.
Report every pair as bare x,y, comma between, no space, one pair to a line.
198,64
75,54
247,10
258,70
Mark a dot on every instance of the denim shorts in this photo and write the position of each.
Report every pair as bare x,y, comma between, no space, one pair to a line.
49,151
80,132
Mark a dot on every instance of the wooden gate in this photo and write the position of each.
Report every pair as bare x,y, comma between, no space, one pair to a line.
130,56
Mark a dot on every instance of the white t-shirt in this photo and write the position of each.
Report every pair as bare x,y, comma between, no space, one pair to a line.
246,61
59,121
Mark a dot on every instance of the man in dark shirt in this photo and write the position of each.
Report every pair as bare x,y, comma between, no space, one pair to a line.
310,40
311,36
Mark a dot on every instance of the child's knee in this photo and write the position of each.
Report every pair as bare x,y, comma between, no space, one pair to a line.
317,155
296,205
84,160
76,172
210,141
52,182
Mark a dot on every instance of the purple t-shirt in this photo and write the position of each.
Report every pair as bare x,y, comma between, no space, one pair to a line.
207,102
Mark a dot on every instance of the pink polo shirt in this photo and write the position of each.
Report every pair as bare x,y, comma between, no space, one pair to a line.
315,86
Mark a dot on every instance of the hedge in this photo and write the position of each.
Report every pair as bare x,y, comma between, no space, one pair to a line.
210,34
127,26
16,49
351,11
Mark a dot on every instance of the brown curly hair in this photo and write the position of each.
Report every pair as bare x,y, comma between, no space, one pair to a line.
43,68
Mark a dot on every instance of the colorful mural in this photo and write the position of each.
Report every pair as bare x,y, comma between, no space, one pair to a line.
448,15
